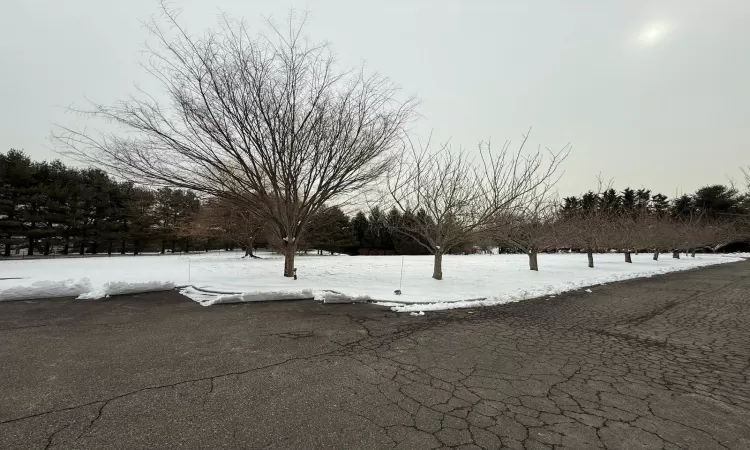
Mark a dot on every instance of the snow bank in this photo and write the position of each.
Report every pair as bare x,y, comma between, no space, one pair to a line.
208,298
124,287
338,297
45,289
211,279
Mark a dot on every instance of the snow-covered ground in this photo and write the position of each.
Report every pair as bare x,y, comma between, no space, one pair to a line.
475,280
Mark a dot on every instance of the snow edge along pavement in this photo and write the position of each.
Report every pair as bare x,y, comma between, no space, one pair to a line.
519,295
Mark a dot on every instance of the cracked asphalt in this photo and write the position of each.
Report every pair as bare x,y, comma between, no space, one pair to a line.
658,363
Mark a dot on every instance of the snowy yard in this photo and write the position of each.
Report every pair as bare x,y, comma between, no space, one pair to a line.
476,280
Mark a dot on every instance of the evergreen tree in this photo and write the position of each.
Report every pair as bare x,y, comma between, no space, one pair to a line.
628,200
376,229
609,201
589,201
571,205
167,211
57,191
659,204
717,200
16,179
329,230
682,206
359,226
141,216
642,199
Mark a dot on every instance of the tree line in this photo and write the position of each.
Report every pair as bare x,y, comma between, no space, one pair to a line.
48,207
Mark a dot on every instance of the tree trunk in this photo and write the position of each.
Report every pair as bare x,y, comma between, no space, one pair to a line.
174,243
533,263
437,271
82,250
590,255
66,247
692,254
46,247
122,247
187,245
135,248
676,254
656,254
7,249
628,259
94,248
109,248
31,247
249,248
163,246
290,249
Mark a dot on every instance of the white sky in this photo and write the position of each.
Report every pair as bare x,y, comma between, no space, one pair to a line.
650,93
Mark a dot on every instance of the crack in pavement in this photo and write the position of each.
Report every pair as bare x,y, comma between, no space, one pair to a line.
168,385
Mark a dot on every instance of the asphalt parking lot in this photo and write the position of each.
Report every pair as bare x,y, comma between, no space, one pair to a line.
658,363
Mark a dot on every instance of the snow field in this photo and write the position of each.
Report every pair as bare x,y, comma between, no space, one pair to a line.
209,279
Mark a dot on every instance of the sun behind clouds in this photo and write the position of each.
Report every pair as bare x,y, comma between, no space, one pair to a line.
654,33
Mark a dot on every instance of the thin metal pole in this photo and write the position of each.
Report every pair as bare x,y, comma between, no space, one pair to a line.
402,273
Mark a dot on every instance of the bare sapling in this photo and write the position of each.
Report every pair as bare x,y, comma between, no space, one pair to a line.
532,227
450,198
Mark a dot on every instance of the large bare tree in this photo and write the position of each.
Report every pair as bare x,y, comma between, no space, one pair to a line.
449,198
269,121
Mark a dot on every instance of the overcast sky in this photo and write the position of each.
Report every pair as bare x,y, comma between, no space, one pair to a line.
652,94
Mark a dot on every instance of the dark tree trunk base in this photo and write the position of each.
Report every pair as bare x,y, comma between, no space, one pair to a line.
533,262
290,249
249,254
437,272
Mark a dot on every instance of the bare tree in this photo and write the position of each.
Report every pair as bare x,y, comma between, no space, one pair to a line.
710,234
531,228
686,232
228,221
658,233
587,230
267,121
625,231
448,199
